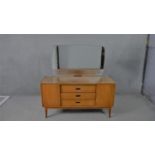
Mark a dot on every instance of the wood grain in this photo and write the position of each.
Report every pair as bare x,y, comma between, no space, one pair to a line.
78,88
83,92
78,103
105,95
75,96
50,95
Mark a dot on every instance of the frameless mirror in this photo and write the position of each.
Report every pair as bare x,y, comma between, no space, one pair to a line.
80,56
79,59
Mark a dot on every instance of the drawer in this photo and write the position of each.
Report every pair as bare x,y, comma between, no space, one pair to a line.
77,96
78,103
78,88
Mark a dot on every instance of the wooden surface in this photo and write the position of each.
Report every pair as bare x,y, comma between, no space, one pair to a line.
50,95
78,103
79,72
105,95
78,88
77,80
77,92
76,96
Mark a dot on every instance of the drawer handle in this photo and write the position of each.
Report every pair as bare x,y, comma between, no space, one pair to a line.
77,102
77,88
78,95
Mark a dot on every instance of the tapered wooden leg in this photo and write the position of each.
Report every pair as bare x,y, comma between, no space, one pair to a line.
109,113
46,112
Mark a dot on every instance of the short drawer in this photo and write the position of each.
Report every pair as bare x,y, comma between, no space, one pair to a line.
77,103
77,96
78,88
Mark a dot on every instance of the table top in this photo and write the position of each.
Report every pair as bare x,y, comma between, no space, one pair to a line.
77,80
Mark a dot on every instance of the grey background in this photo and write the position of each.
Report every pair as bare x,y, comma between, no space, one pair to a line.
25,59
149,82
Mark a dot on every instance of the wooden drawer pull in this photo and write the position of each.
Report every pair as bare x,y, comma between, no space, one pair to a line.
78,95
77,102
77,88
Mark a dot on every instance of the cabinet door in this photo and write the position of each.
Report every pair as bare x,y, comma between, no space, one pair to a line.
50,95
105,95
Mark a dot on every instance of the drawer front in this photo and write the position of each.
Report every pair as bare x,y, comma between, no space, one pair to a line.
77,103
75,96
78,88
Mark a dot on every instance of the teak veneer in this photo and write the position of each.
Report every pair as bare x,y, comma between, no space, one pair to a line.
73,92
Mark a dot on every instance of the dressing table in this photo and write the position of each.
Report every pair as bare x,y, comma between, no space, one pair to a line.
78,89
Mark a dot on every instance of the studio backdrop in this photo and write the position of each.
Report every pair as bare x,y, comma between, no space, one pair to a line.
26,58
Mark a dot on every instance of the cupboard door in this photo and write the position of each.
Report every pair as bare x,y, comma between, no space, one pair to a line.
105,95
50,95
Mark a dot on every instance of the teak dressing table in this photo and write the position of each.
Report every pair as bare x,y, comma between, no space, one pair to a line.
77,89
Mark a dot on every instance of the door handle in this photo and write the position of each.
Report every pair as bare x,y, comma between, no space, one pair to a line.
78,95
77,102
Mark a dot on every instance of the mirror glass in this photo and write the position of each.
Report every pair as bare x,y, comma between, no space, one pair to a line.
79,56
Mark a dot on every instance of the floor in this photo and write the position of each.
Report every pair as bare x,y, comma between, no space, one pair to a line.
128,107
